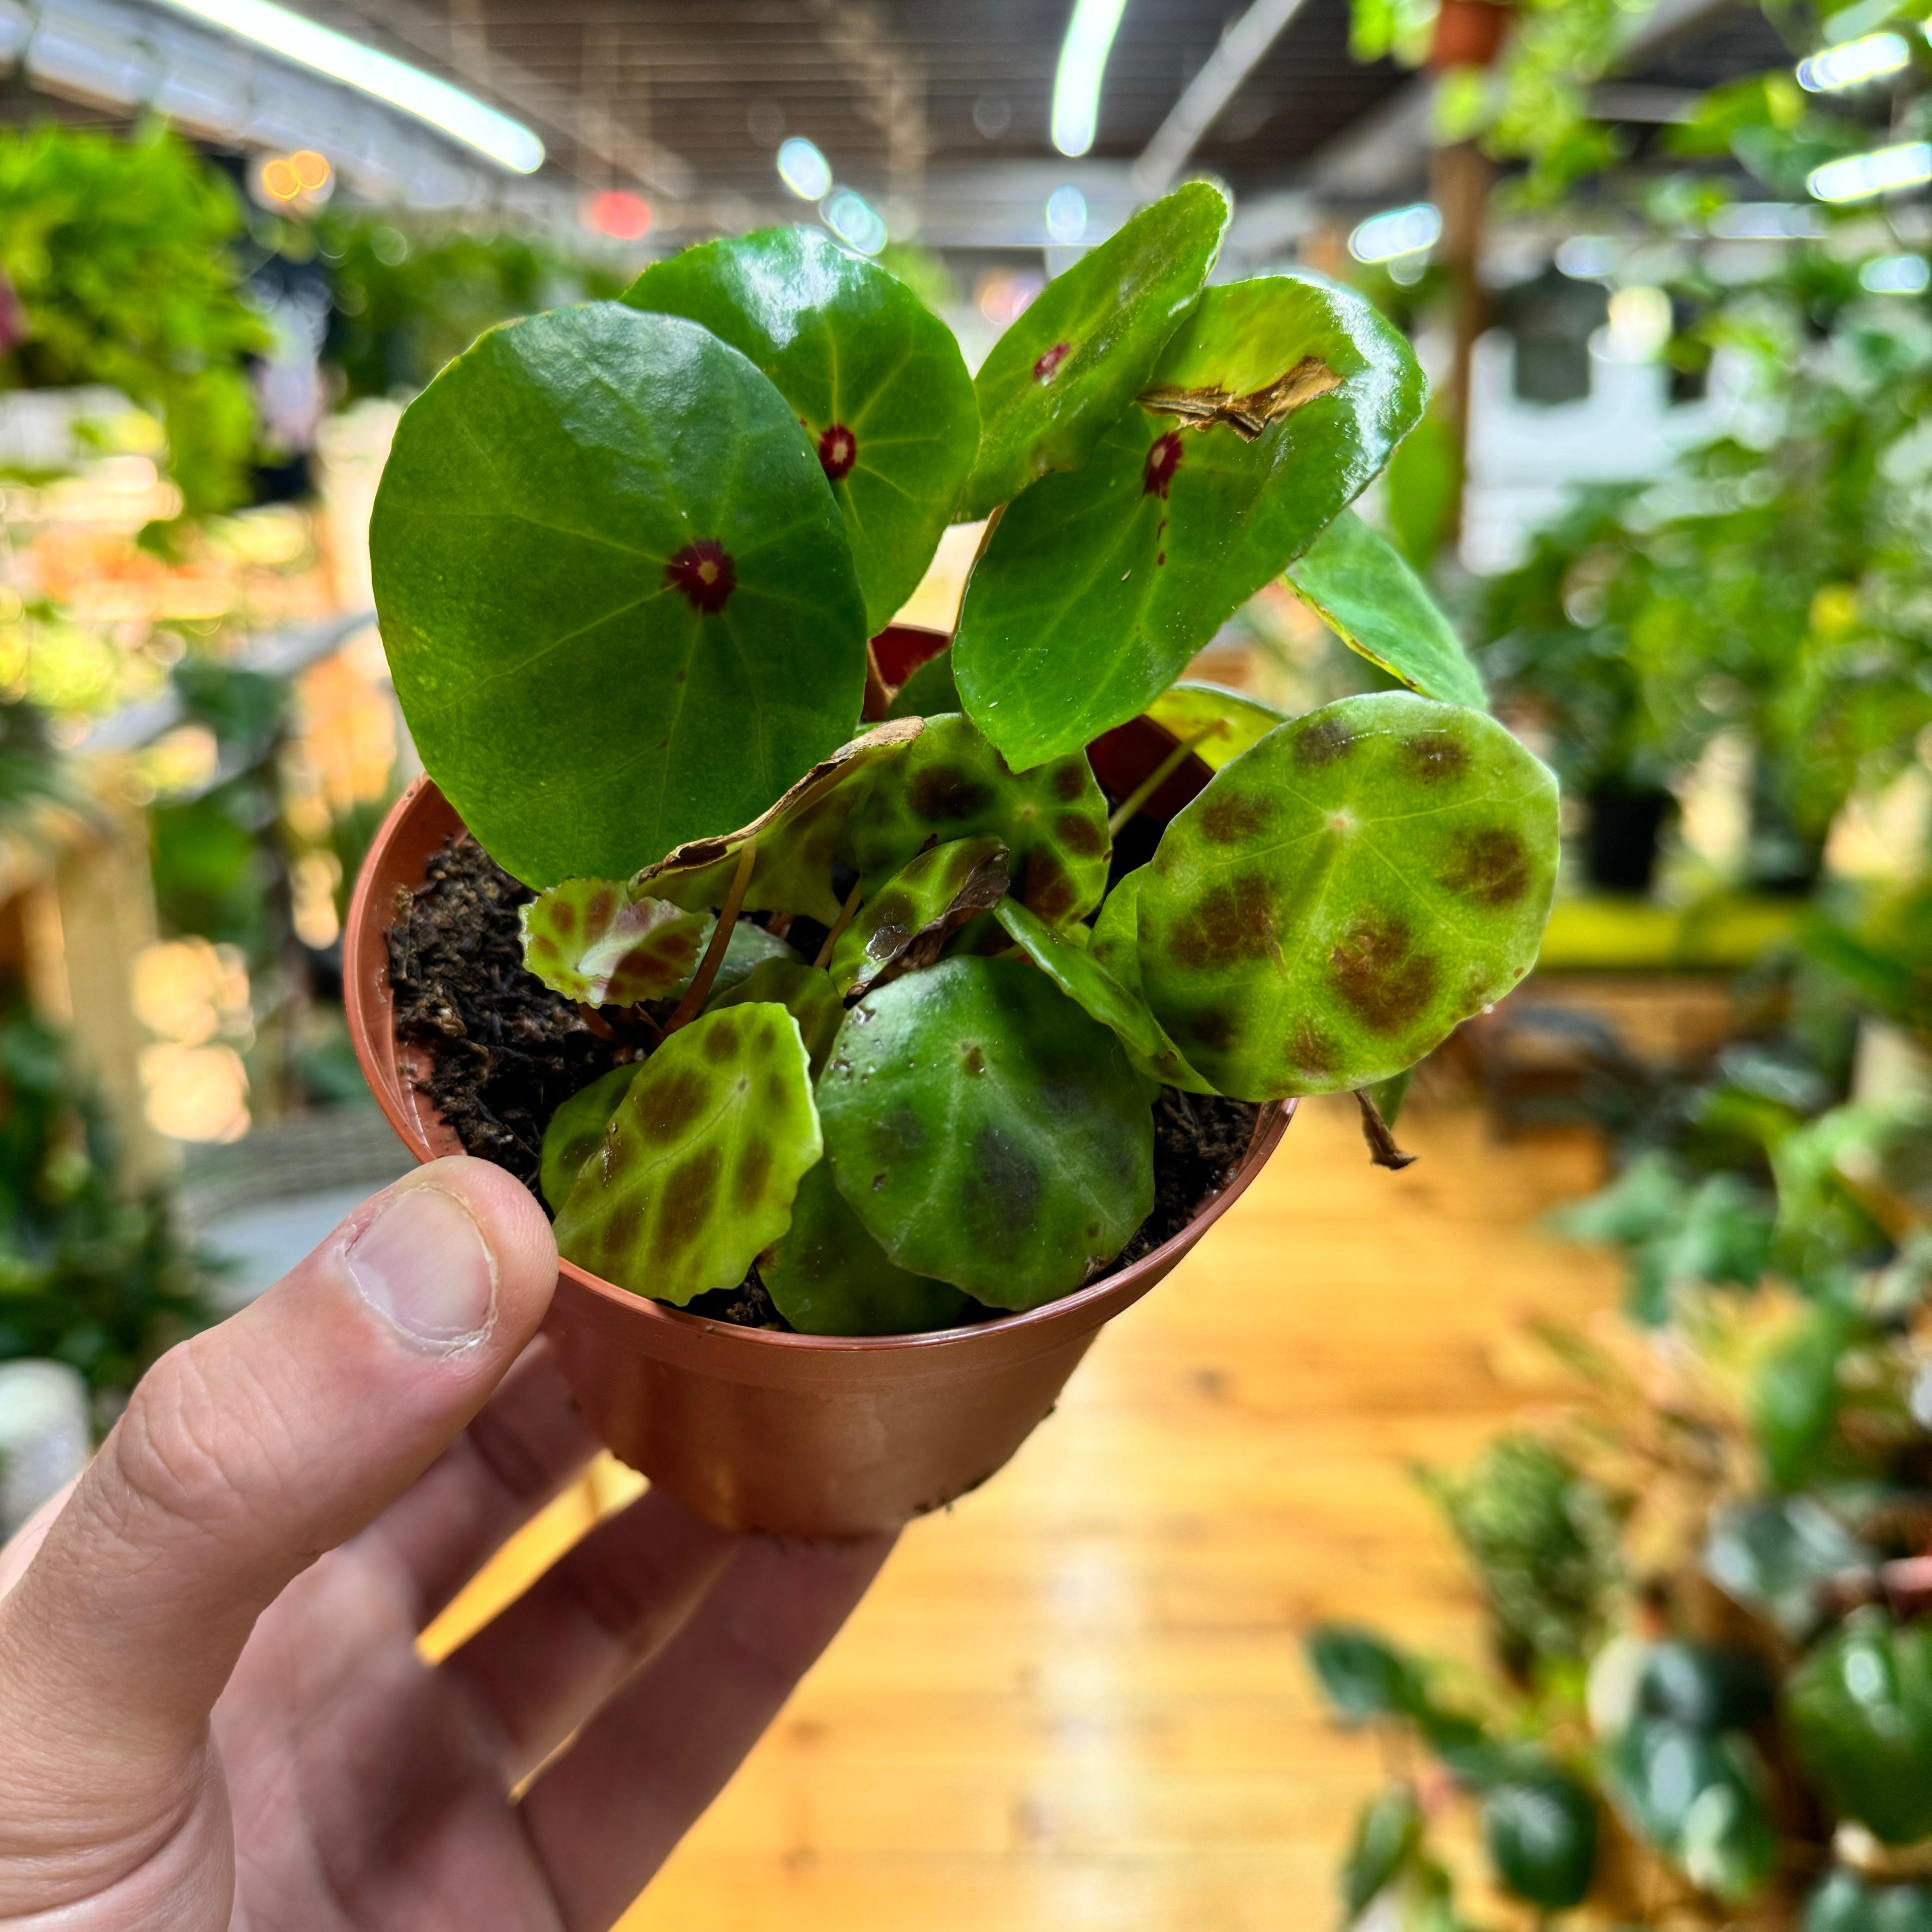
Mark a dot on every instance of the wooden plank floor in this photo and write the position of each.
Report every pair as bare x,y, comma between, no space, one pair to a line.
1077,1700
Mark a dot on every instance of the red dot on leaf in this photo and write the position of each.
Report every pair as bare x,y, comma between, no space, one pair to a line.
1162,460
837,450
1048,367
702,571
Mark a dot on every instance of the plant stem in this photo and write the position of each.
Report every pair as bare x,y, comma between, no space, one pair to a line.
1382,1149
700,989
878,692
1155,779
838,925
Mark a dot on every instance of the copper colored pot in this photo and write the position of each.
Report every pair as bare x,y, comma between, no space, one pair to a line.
800,1434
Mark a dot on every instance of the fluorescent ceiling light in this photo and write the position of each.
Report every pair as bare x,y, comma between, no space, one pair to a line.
1401,231
1083,61
855,221
1066,215
803,169
1896,275
1869,59
461,116
1859,177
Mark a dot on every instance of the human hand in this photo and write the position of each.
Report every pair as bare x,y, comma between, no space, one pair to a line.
214,1714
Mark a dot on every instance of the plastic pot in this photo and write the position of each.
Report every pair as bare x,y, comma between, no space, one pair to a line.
797,1434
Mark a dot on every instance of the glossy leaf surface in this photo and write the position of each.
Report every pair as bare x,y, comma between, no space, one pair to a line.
791,871
1388,1834
575,1129
1083,346
1699,1799
1358,583
1362,1676
1539,1829
1100,585
987,1132
876,378
828,1276
1220,724
952,784
908,920
806,992
615,590
1859,1711
697,1171
1341,897
1092,988
589,940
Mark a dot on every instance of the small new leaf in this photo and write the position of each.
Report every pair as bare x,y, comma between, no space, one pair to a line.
697,1171
917,910
1219,725
589,940
574,1130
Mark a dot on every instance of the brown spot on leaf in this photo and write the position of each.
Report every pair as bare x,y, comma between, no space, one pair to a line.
1491,866
1380,976
1211,1027
1311,1051
603,904
1231,817
721,1039
1070,779
1048,367
1323,743
1162,460
944,794
1000,1197
619,1229
1080,835
1230,923
1435,756
972,1059
753,1174
704,573
687,1201
837,450
675,1100
1049,890
563,915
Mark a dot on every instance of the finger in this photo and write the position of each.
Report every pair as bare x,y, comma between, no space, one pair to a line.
607,1815
525,1444
250,1450
20,1547
558,1652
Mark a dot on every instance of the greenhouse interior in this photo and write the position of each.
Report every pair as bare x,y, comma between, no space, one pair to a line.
1274,658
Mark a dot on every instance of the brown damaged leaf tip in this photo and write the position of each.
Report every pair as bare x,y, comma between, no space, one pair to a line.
1382,1149
1246,415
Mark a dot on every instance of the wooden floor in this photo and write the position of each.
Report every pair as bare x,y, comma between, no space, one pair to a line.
1077,1701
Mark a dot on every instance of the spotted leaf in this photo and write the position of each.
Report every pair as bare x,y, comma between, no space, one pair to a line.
952,785
1100,585
806,992
615,589
696,1172
1343,894
828,1276
1079,974
575,1129
911,916
1358,584
1220,725
749,947
1075,358
589,940
791,871
987,1132
876,378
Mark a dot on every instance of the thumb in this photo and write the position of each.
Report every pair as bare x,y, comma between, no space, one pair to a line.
248,1451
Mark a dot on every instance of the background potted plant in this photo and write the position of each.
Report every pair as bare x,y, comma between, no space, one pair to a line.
905,1041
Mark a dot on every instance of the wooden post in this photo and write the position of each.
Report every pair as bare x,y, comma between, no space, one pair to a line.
1460,177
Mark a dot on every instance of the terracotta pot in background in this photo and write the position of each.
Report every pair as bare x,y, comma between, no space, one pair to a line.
1468,33
798,1435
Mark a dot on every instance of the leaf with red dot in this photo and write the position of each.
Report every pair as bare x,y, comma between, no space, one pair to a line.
875,378
1344,894
1084,347
1273,407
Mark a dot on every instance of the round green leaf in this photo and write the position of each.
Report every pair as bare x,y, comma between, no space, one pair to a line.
1360,587
1388,1834
575,1129
615,590
1362,1676
951,784
905,923
1540,1832
589,940
1698,1797
1859,1711
806,992
876,378
828,1276
798,837
1083,347
1220,725
696,1172
1096,991
988,1132
1340,898
1098,586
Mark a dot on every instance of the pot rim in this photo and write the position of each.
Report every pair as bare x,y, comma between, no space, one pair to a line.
365,964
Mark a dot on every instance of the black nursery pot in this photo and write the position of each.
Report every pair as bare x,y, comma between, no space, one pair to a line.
1626,831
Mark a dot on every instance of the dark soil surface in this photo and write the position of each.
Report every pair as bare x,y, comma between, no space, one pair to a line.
505,1052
